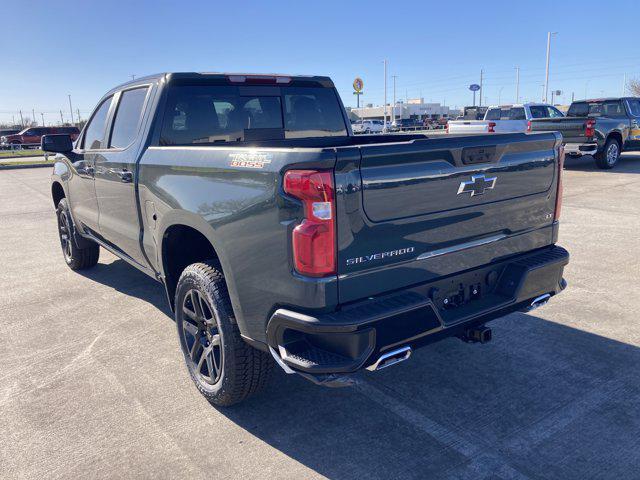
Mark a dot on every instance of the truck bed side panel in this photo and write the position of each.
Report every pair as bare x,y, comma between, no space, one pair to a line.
242,212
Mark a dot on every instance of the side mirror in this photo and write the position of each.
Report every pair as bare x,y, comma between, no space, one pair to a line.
56,143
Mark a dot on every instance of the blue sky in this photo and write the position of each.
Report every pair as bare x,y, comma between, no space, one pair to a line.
437,49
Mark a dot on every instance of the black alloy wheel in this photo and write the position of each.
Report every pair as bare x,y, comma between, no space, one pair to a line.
202,337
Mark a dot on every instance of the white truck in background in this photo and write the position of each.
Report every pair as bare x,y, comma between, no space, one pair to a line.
505,119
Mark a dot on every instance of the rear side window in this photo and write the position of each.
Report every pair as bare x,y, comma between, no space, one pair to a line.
125,125
94,134
517,114
221,114
610,108
493,114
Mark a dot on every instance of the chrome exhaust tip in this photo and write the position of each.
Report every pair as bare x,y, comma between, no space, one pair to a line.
391,358
539,301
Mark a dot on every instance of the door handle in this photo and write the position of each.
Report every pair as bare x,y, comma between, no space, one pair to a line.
125,175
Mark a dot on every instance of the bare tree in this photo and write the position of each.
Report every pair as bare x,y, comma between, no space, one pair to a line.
634,87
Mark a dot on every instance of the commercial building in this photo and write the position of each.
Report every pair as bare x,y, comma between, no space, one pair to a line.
414,108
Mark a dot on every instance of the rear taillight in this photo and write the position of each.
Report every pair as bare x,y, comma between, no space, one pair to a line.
314,243
447,127
556,215
528,125
590,127
492,127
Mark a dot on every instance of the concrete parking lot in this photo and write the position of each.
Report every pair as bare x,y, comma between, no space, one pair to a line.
92,383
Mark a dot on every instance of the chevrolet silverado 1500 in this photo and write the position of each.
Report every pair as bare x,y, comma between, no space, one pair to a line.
282,238
603,128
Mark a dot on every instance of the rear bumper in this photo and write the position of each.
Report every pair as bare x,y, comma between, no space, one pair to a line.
355,336
579,149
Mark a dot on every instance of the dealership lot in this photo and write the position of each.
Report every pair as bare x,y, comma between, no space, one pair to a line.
92,383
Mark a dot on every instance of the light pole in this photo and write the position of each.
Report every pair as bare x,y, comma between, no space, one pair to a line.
42,116
394,98
500,95
384,108
481,78
546,77
517,84
70,109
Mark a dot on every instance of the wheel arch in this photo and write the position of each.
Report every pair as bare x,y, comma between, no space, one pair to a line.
57,192
616,135
185,239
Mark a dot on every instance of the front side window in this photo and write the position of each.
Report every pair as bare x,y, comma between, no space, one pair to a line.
94,135
555,113
538,111
208,114
125,125
634,107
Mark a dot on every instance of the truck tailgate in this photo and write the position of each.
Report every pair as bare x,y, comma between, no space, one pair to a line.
468,126
571,128
434,207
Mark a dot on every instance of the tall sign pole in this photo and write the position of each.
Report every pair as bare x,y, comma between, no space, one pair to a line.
517,84
358,85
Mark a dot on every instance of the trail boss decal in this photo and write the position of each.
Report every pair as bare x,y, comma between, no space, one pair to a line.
249,159
379,256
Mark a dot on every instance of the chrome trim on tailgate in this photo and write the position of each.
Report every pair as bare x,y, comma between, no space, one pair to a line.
461,246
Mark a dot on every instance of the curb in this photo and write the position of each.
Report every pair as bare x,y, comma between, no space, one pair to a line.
30,165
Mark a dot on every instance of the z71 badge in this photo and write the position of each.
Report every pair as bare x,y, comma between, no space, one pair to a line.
249,159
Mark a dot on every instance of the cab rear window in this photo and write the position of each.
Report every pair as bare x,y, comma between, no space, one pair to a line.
205,114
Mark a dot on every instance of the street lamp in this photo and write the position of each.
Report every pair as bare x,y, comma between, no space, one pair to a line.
546,78
500,95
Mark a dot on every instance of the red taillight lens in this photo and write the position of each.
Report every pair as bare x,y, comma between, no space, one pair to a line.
528,125
314,244
492,127
556,216
590,128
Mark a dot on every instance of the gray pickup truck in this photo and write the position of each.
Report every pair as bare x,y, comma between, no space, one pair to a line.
603,128
282,238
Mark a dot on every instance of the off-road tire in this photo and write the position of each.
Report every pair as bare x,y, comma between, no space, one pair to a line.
75,257
243,370
610,154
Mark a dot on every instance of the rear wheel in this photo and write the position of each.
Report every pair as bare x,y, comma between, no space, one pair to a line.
609,155
224,368
77,258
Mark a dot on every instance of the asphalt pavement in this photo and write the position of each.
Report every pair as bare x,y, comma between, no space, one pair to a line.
92,383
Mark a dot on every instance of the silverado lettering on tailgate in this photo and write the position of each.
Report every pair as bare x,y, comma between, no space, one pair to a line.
380,256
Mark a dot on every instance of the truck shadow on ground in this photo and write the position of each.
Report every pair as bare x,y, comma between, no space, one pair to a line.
124,278
542,400
628,163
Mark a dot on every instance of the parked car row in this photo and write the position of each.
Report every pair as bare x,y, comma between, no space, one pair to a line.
505,118
603,127
32,136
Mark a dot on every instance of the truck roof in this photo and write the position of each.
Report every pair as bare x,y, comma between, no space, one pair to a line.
528,104
203,76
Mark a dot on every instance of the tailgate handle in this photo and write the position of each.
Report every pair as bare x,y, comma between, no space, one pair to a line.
474,155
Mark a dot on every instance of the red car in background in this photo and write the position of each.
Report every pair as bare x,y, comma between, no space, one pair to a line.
33,135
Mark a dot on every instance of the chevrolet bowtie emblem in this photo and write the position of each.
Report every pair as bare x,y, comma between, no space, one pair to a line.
477,185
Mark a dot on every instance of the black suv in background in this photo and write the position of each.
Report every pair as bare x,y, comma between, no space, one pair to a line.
603,128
